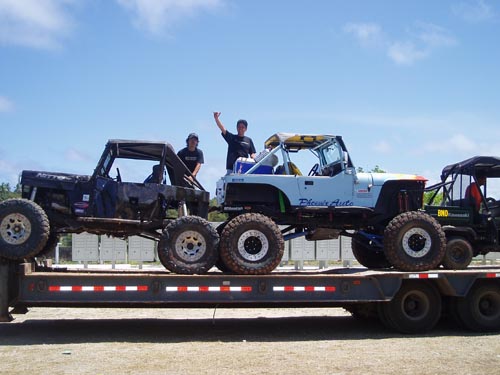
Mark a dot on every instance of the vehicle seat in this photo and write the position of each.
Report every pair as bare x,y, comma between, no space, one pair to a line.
154,177
332,170
294,170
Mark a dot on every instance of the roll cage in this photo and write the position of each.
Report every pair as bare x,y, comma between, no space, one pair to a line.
161,152
328,149
455,178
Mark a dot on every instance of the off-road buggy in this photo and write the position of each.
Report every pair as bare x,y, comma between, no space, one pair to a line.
56,203
382,212
469,231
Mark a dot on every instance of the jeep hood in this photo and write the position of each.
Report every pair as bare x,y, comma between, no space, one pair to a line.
52,180
381,178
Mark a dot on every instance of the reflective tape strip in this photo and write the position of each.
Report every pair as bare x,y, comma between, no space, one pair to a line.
287,288
492,275
98,288
423,276
208,289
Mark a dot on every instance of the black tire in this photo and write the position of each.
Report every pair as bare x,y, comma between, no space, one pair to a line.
458,255
252,244
24,229
220,263
416,308
366,254
51,244
188,246
479,310
363,311
414,241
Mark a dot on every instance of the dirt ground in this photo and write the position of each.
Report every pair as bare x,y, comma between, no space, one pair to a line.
233,341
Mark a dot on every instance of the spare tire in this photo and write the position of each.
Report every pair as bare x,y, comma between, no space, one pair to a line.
414,241
24,229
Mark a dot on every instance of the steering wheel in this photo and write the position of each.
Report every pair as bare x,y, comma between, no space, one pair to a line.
118,176
314,170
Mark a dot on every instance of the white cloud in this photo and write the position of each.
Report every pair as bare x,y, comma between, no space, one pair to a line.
405,53
457,143
155,16
5,104
34,23
434,36
419,42
473,11
367,34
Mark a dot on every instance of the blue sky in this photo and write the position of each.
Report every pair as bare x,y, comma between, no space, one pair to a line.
411,85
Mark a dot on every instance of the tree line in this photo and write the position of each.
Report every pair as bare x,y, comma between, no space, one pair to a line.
7,192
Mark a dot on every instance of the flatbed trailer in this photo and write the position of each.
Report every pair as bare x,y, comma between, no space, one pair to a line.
408,302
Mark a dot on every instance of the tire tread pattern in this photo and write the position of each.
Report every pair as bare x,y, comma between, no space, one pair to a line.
229,240
40,228
166,248
392,238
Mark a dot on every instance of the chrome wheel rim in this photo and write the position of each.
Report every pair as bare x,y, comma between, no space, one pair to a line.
15,229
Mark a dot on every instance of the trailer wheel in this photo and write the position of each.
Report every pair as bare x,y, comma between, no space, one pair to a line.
252,244
366,254
188,246
415,308
220,263
414,241
24,229
362,311
458,254
479,310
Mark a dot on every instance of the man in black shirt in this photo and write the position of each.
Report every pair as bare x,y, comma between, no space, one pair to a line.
191,155
238,145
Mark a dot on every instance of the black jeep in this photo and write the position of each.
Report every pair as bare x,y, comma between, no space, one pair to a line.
471,226
56,203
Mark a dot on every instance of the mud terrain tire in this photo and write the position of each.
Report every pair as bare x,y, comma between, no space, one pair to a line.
414,241
51,244
220,263
366,254
188,246
24,229
251,244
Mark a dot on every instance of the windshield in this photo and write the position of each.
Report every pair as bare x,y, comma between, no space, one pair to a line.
331,154
106,165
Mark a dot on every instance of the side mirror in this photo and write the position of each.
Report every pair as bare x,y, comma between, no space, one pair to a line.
346,159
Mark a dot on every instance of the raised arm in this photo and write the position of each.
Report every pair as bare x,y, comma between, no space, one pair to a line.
219,124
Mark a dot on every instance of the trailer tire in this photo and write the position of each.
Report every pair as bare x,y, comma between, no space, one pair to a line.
415,308
252,244
366,254
458,254
479,310
24,229
414,241
362,311
188,246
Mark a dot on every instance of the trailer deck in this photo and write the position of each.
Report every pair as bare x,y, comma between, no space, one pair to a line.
406,301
